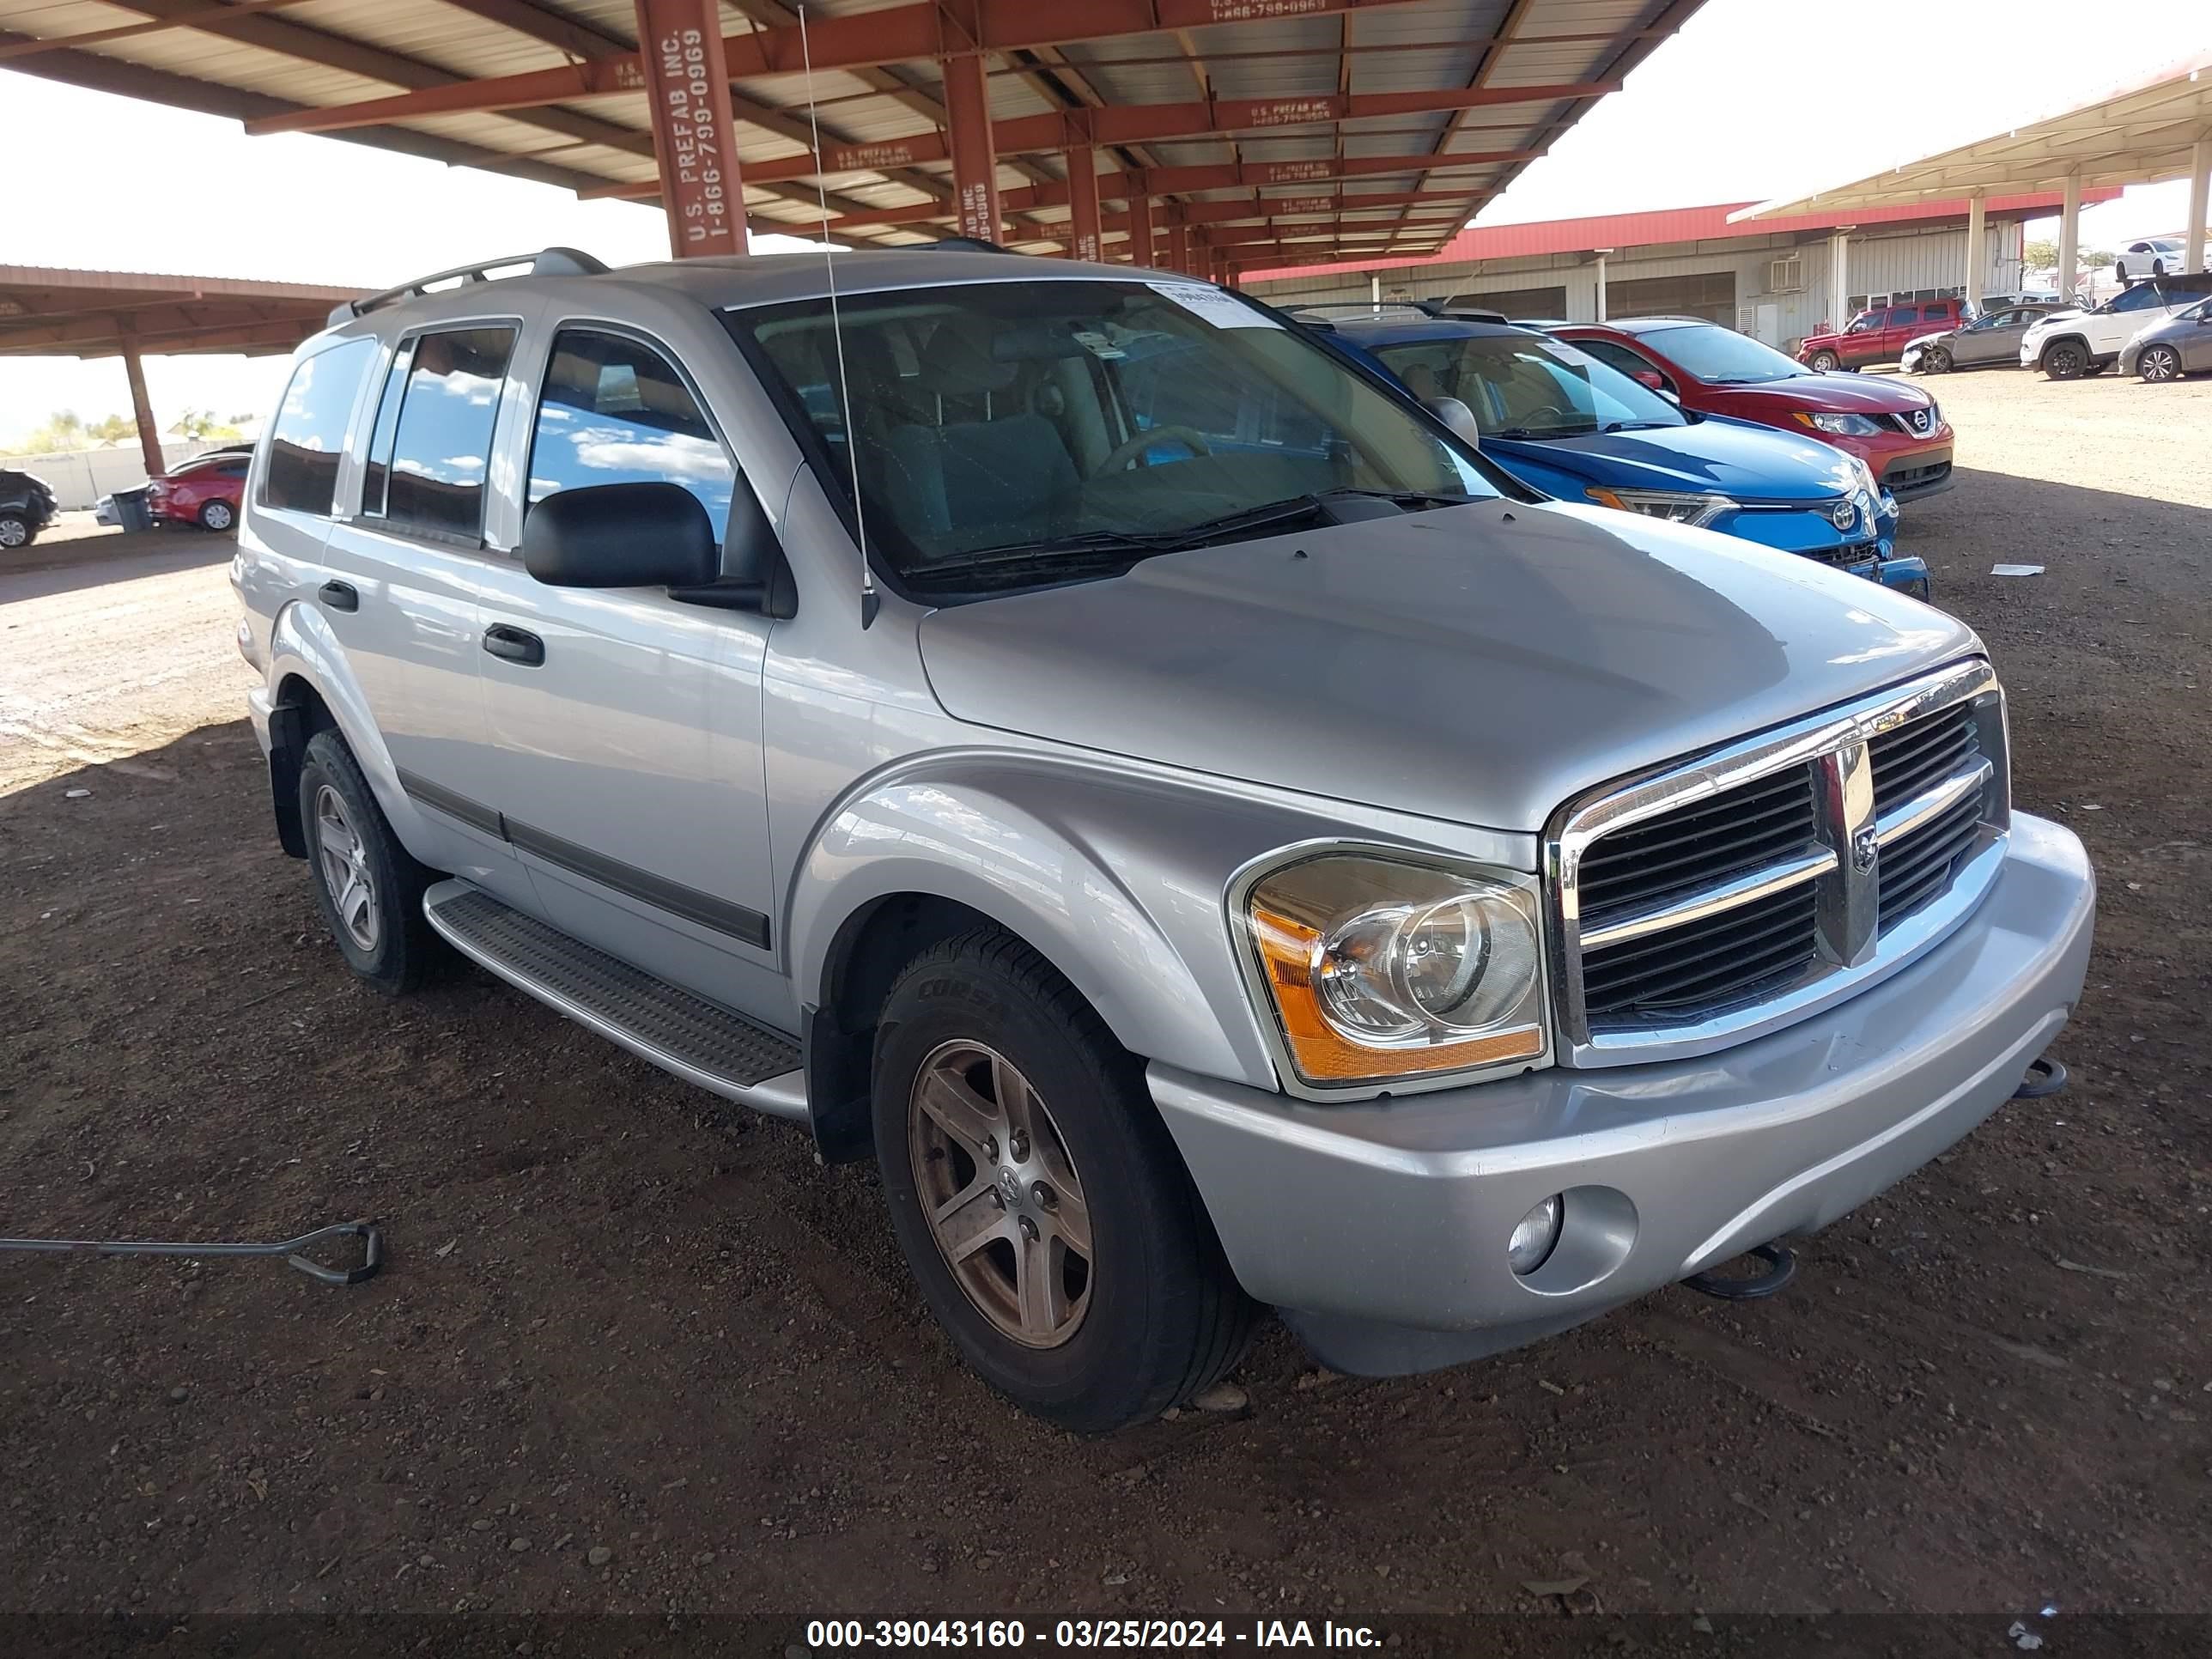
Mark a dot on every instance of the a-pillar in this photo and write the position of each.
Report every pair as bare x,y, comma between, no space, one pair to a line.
1840,281
141,407
1141,228
1978,246
694,136
975,164
2070,237
2199,202
1085,237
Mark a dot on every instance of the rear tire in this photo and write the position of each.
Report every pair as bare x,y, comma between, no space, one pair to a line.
16,532
1037,1197
217,516
1824,360
2159,363
2066,360
368,887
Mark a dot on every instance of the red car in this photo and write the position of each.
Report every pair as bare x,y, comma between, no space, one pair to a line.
1894,428
1881,335
206,491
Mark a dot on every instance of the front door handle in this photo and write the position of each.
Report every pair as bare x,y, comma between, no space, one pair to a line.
339,596
514,644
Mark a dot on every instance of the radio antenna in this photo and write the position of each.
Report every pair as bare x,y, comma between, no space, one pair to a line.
871,601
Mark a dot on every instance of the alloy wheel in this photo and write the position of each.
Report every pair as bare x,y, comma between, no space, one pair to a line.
13,532
345,863
1938,361
1825,360
1001,1194
2160,364
2064,362
216,515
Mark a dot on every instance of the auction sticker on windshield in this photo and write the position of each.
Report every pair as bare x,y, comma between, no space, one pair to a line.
1222,310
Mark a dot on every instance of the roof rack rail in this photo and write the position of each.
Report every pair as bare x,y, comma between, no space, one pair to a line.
547,262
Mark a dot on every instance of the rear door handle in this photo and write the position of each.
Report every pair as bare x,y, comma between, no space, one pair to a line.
339,596
514,644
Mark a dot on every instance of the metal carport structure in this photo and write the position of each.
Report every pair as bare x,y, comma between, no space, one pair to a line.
2148,131
130,314
1231,132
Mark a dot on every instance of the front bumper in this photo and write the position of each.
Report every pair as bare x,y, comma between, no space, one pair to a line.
1380,1228
1917,473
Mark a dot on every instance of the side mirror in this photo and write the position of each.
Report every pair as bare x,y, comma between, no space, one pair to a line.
621,534
1650,377
1457,416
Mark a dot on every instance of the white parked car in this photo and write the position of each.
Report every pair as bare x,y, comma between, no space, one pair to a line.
2153,256
2068,344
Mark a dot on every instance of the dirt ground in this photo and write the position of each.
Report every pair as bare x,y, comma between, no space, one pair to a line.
635,1351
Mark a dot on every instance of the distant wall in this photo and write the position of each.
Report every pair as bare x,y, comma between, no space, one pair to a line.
79,477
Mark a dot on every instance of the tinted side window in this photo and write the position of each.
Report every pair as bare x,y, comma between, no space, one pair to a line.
442,445
1900,316
614,410
309,433
1607,351
2144,296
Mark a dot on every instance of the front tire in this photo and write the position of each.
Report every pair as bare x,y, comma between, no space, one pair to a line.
2159,363
1038,1198
217,516
1825,360
2066,361
1936,360
368,887
16,532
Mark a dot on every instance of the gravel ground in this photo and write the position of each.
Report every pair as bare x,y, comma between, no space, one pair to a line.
634,1352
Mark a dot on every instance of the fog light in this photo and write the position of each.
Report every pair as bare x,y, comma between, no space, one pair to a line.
1532,1240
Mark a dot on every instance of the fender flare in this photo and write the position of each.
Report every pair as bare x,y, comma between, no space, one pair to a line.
1117,877
302,646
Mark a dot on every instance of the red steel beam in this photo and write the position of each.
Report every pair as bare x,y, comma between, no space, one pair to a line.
970,148
1145,124
694,141
1222,236
1084,240
1148,183
1141,250
867,40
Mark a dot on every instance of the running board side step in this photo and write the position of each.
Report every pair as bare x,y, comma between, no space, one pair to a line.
698,1041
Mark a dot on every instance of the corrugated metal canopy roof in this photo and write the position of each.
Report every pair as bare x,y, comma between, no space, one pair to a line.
51,312
2138,134
548,90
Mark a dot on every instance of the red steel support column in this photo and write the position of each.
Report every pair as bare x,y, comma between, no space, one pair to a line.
694,136
1140,230
141,407
974,164
1085,240
1178,255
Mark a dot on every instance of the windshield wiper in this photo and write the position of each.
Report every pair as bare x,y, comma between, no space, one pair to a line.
1532,435
1088,550
1637,426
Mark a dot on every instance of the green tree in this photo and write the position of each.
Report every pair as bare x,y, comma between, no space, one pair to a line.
114,429
200,424
63,430
2041,254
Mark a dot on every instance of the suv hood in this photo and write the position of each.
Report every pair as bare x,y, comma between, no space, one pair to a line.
1749,462
1478,665
1843,393
2050,317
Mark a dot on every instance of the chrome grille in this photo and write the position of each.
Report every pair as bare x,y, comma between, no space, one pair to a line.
1746,889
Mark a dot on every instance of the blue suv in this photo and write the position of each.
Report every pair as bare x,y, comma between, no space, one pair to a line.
1581,430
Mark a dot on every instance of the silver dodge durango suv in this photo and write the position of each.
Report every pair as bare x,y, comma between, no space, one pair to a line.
1215,840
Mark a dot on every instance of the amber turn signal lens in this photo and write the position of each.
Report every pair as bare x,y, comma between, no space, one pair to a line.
1323,1054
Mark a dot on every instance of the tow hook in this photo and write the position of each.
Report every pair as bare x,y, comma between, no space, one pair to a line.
1781,1268
2045,1076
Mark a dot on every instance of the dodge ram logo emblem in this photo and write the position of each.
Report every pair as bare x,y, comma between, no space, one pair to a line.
1865,849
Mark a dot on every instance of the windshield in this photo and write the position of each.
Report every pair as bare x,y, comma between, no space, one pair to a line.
1520,386
1035,422
1721,356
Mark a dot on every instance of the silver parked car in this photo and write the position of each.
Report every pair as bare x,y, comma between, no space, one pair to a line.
1992,339
1216,840
2181,344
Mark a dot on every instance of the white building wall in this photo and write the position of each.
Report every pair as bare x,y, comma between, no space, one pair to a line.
1897,263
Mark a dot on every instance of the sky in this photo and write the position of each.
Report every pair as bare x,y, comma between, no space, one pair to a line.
1749,101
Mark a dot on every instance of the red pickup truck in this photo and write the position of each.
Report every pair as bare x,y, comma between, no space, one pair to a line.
1880,334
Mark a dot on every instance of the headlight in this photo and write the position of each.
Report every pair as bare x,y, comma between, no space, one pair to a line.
1862,477
1381,968
1837,426
1673,506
